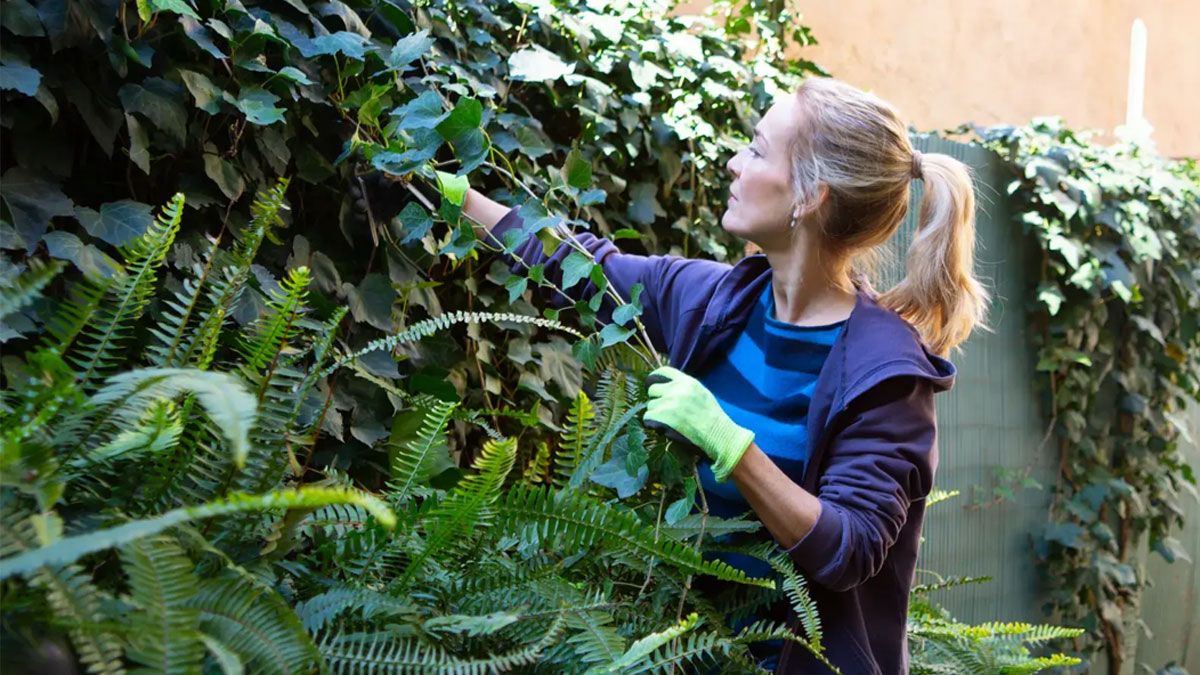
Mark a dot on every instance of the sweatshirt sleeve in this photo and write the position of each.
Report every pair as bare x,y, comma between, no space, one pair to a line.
672,285
879,462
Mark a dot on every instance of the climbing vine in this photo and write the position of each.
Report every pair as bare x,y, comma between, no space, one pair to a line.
1115,316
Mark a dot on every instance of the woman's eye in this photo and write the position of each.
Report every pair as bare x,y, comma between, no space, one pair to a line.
755,152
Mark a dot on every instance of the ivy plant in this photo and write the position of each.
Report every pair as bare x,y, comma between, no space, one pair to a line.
1115,310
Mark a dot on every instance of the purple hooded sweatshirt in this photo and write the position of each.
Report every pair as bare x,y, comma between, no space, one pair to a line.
872,432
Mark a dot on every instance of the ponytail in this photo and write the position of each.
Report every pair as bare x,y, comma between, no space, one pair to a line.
940,295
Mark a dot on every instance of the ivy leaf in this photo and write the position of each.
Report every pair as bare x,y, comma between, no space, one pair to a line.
466,116
199,35
223,173
160,101
33,201
259,106
557,364
643,204
423,112
614,474
536,64
1070,249
20,77
371,301
175,7
679,509
597,196
20,18
453,188
352,45
577,171
577,266
409,49
516,285
90,260
416,222
1171,550
400,163
139,144
587,351
613,334
1051,296
1067,534
208,95
117,222
293,74
470,149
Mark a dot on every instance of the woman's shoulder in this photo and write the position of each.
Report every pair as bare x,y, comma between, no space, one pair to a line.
879,345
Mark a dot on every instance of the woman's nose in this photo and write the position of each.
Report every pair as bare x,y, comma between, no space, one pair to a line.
731,165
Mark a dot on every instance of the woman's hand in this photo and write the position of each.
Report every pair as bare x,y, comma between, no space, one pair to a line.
679,403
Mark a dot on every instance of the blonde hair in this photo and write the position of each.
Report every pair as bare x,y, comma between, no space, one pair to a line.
854,143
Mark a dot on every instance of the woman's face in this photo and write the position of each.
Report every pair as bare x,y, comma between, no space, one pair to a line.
761,201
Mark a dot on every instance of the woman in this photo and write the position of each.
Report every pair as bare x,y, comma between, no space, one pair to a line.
810,395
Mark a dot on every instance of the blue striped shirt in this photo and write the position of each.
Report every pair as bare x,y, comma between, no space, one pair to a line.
765,383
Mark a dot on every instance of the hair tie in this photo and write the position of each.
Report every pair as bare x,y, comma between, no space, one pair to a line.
916,170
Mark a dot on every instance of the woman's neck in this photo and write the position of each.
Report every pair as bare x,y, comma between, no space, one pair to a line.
810,289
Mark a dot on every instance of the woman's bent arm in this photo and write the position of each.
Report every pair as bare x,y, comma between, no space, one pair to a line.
483,211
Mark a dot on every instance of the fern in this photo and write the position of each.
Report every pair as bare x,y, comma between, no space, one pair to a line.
802,603
576,432
70,549
411,457
15,294
382,653
541,513
77,603
269,334
319,610
255,624
436,324
467,507
165,633
229,405
109,328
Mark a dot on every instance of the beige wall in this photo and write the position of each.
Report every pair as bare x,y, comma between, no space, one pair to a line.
945,62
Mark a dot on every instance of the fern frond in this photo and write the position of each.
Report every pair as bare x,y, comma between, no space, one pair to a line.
157,431
467,506
643,647
269,334
796,589
229,662
539,464
77,603
577,430
165,635
384,654
537,514
948,582
320,609
428,327
597,640
173,342
411,455
256,624
593,455
124,398
112,323
27,287
69,549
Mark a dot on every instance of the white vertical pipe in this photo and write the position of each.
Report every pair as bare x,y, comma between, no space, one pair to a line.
1136,95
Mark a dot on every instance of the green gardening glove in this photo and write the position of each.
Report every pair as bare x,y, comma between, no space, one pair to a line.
683,407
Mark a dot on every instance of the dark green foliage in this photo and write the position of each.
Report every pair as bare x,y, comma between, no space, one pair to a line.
270,566
1116,319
